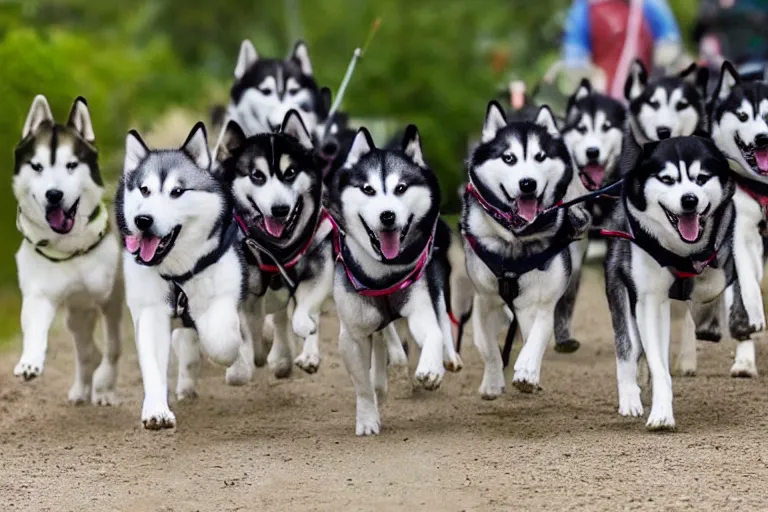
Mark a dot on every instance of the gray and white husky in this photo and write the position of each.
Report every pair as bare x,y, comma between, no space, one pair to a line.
68,259
673,240
266,89
386,203
521,248
277,185
181,260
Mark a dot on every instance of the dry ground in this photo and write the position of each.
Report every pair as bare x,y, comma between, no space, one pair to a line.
290,445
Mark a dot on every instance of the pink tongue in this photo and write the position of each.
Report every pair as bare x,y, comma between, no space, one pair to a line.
274,228
527,208
688,226
389,242
761,155
132,243
57,219
148,248
595,173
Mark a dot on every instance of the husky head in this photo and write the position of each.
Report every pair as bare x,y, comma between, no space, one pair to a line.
335,136
521,167
593,134
677,189
56,177
387,200
169,206
275,178
739,113
671,106
266,89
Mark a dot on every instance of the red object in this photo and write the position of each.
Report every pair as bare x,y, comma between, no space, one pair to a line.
608,25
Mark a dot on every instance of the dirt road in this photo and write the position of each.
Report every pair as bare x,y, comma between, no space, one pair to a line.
290,445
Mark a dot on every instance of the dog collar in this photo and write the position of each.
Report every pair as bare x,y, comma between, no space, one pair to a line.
98,225
366,291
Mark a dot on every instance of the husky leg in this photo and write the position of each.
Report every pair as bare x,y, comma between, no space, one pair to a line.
451,359
187,347
537,326
653,322
104,388
241,371
686,362
153,342
487,321
395,351
379,368
218,329
310,296
357,359
309,359
744,364
280,358
424,327
81,323
628,347
564,316
37,315
256,322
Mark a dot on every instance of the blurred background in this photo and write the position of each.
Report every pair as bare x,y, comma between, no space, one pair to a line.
160,65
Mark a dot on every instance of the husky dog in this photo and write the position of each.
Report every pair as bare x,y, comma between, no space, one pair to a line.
670,106
266,89
739,119
181,260
387,204
673,233
67,258
520,248
277,184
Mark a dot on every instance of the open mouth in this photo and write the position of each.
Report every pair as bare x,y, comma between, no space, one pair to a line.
149,249
387,243
525,209
756,156
689,226
592,176
60,220
277,228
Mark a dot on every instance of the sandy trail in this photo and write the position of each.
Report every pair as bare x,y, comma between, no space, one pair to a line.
290,445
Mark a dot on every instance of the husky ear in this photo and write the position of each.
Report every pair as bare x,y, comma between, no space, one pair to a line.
584,90
230,140
546,119
361,146
135,151
294,126
39,113
412,145
80,119
696,76
301,56
495,120
729,78
196,146
326,101
245,59
636,81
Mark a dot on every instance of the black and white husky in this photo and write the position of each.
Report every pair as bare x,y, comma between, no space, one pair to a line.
181,260
386,204
266,89
739,121
520,248
671,239
68,259
277,184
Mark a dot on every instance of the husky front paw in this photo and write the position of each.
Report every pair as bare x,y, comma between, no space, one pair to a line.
525,380
367,422
240,373
104,385
79,393
157,417
281,367
492,386
29,369
661,418
744,369
453,364
430,379
629,401
303,325
308,361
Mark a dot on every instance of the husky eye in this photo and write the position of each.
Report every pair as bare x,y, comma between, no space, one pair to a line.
176,192
667,180
258,177
701,179
607,126
368,190
655,105
582,129
266,91
36,166
509,159
682,105
742,116
400,189
540,156
293,91
289,174
72,165
144,191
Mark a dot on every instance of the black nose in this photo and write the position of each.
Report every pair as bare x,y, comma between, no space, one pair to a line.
528,186
689,202
593,153
330,148
387,218
663,132
54,196
281,211
761,140
143,222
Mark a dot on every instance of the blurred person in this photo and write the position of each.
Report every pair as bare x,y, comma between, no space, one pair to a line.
610,34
